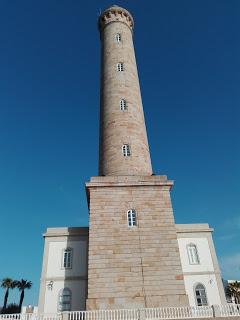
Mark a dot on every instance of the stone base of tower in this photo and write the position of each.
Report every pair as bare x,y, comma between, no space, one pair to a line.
131,267
137,302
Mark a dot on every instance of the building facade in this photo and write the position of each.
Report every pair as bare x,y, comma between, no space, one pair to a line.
137,256
201,272
63,284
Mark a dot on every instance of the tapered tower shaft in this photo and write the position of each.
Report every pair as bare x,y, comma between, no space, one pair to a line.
124,146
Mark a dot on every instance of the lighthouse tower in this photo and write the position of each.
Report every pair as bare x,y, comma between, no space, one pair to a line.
122,125
134,258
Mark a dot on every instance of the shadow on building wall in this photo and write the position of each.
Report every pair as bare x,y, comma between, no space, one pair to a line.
73,295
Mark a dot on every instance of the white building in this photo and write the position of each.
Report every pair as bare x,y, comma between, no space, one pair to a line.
64,272
202,276
63,283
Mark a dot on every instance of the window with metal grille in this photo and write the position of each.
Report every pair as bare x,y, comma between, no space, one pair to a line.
126,150
118,37
64,300
193,256
67,258
201,295
123,104
120,66
132,218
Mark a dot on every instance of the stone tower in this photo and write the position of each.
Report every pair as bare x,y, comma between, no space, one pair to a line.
133,252
122,119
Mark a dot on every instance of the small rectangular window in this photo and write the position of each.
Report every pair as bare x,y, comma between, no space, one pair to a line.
120,67
123,105
118,37
126,150
193,254
67,258
132,218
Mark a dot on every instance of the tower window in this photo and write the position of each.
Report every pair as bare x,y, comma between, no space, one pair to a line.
118,37
120,66
64,300
193,254
126,150
123,104
67,258
201,295
132,218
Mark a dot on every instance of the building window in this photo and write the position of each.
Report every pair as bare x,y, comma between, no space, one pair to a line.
67,258
193,254
201,296
64,300
132,218
120,66
123,104
118,37
126,150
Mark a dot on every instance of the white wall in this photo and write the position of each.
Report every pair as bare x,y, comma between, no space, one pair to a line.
73,279
79,260
210,284
206,263
78,289
203,272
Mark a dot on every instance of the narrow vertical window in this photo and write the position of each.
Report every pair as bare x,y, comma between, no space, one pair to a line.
201,295
120,66
126,150
64,300
118,37
193,254
67,258
132,218
123,104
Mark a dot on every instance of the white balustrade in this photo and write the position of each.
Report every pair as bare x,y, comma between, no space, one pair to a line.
229,310
16,316
31,316
187,312
121,314
178,313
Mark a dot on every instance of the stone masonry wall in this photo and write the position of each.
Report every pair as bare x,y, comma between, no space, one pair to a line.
133,266
119,127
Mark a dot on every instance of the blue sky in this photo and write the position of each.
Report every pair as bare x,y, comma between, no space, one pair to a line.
188,60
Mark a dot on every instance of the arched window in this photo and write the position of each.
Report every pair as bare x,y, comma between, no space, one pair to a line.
123,104
118,37
200,294
64,300
126,150
120,66
132,218
193,254
67,258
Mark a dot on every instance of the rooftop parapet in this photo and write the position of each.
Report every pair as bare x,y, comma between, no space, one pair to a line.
115,14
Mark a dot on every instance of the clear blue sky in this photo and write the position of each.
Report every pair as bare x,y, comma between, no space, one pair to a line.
188,59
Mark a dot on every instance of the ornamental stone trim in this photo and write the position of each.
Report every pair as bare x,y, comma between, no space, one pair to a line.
115,14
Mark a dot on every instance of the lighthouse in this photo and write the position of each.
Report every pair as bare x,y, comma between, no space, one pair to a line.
134,257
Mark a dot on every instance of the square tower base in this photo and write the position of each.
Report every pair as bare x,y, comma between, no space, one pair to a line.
132,267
